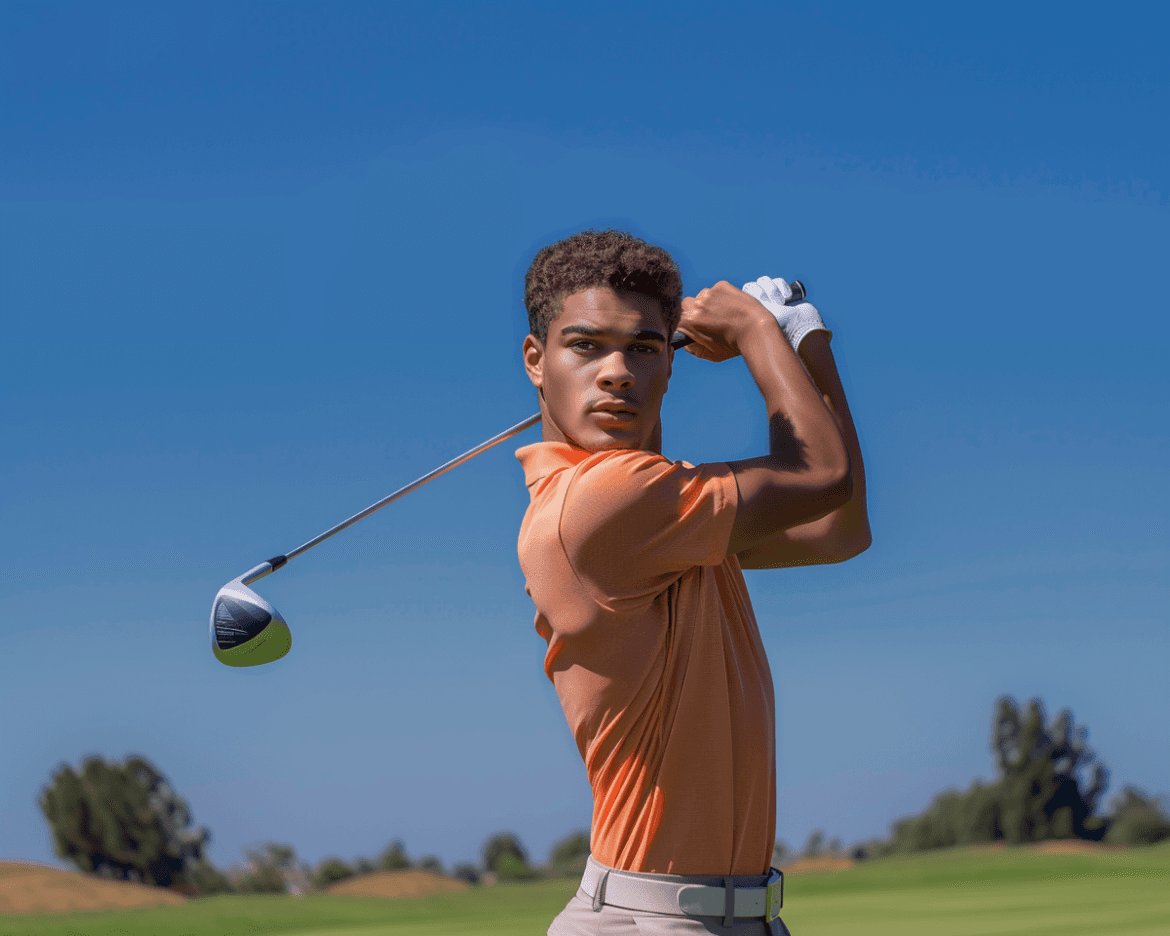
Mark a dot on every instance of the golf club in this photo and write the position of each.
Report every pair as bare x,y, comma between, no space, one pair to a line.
247,631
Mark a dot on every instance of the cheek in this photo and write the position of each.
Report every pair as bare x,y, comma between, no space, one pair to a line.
564,384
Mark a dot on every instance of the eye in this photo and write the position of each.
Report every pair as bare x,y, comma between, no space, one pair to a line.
645,349
582,345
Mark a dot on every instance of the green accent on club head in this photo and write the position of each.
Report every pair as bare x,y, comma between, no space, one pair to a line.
270,644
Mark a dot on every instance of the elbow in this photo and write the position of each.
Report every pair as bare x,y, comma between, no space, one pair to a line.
843,545
854,545
848,533
837,489
851,535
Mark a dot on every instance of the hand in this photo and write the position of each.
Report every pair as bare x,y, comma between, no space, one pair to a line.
796,321
717,318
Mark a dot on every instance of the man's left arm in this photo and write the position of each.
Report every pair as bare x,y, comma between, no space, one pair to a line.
843,533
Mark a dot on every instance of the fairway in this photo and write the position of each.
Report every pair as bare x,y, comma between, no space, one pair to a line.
951,893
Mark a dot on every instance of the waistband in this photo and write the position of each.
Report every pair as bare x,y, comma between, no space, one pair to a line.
731,897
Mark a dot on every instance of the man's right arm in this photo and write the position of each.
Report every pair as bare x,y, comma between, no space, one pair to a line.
806,473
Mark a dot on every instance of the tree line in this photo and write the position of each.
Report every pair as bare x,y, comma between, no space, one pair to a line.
1049,784
125,821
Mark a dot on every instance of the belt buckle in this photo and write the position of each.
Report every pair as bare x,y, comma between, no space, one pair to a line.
774,897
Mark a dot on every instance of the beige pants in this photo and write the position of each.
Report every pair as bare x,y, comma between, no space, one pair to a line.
579,919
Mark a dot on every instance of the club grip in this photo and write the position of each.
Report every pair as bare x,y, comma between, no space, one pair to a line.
679,340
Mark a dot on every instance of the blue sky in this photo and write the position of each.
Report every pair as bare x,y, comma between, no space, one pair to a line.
261,264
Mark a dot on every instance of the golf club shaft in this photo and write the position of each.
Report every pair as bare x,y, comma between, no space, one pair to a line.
453,463
678,340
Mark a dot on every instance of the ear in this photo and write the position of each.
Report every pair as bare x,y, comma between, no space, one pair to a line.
534,360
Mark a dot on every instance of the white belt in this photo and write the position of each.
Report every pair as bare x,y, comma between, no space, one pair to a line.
658,894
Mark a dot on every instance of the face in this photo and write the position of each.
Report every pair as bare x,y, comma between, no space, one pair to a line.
602,371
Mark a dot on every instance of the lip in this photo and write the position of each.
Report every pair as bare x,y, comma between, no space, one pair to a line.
616,408
613,420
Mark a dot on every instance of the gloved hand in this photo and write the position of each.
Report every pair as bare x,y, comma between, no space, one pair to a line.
796,321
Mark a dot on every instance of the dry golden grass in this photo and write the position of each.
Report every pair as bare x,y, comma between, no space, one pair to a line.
405,883
33,888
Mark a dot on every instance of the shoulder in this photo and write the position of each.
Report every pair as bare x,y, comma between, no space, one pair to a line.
631,499
625,473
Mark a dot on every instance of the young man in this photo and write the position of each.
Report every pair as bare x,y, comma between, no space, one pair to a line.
633,562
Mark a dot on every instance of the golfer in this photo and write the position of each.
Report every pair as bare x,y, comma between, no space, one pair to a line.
634,564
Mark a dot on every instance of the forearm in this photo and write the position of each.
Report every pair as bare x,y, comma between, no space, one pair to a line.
818,360
804,436
844,532
805,474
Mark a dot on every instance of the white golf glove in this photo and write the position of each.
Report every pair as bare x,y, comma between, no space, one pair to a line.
796,321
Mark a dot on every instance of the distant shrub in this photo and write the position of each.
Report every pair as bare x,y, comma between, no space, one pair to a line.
814,844
264,880
499,847
430,863
394,857
1137,819
511,868
466,871
209,880
331,871
568,856
269,870
871,848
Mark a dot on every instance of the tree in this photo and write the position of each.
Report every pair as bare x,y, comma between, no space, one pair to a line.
1040,787
394,857
125,821
270,870
816,841
505,857
1137,819
568,856
870,848
466,871
1039,794
209,880
330,871
430,863
953,818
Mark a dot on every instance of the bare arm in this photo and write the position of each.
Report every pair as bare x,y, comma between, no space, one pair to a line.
806,474
844,532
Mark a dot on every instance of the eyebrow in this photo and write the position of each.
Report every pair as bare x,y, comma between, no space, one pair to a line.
646,334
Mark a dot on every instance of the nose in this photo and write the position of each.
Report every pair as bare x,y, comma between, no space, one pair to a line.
615,372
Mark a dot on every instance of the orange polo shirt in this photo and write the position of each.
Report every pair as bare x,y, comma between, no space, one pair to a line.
655,655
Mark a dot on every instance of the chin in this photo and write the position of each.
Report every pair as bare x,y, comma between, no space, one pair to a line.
609,443
593,442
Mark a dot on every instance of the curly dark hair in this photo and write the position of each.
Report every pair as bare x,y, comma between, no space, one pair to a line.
592,258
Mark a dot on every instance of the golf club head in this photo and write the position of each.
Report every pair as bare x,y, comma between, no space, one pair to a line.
245,629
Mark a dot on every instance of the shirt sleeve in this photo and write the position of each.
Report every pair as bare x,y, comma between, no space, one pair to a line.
632,522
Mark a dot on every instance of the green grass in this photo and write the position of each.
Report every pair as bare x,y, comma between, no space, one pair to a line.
963,893
952,893
505,908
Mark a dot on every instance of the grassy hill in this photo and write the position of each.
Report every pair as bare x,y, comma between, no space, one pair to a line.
1025,891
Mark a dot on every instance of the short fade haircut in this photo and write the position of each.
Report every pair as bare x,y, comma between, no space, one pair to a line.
592,259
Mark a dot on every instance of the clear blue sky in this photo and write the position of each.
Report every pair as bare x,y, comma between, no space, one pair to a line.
261,264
